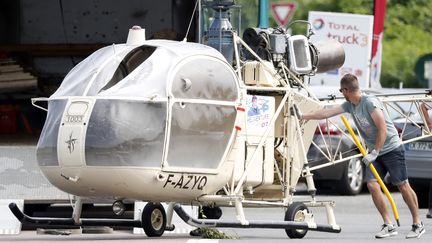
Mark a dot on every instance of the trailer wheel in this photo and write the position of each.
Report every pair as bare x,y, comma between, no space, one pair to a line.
153,219
296,212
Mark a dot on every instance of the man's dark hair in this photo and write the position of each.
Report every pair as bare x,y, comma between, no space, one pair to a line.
350,82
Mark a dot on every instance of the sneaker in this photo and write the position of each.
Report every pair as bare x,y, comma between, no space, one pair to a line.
416,231
387,230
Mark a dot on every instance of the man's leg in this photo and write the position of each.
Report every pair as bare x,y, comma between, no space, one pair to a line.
378,199
410,199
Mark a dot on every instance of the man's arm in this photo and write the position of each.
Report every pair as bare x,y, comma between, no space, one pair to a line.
378,118
324,113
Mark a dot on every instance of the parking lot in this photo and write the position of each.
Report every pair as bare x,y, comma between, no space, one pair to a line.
355,214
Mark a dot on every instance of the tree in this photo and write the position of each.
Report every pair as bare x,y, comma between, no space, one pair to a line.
407,37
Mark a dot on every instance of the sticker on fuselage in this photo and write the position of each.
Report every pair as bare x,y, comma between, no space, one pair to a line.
74,118
258,111
71,143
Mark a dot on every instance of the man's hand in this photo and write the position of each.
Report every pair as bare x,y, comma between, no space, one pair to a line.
370,157
295,109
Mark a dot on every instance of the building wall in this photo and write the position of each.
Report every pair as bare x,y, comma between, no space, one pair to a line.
34,32
90,21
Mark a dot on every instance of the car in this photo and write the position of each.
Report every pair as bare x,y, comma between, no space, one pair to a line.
418,156
348,177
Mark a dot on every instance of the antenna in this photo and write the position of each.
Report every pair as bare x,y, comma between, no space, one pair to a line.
190,22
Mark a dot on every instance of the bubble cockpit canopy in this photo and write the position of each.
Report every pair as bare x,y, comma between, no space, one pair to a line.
150,104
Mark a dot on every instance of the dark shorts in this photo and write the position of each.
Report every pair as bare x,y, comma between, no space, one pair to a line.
392,162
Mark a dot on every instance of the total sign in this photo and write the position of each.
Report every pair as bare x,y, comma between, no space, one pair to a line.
354,32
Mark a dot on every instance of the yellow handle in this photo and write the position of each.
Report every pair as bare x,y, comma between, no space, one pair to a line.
372,168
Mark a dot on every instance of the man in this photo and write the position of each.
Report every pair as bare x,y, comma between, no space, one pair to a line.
386,152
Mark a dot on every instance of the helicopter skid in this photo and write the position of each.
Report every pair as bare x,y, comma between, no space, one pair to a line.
268,224
203,223
49,222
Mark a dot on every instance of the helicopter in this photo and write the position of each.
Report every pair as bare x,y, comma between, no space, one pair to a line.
189,123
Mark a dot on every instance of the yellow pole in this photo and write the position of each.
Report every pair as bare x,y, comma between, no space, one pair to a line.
372,168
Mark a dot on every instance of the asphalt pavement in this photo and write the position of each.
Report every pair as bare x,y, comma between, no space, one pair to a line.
355,214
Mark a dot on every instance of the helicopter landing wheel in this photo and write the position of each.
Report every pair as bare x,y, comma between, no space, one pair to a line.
296,212
153,219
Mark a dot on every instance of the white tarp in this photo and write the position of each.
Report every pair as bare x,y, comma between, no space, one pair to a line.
140,90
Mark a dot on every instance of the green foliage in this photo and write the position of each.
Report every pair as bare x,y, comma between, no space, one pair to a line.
407,37
407,31
211,233
400,55
249,13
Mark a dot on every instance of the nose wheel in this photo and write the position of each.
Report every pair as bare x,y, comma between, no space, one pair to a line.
153,219
296,212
